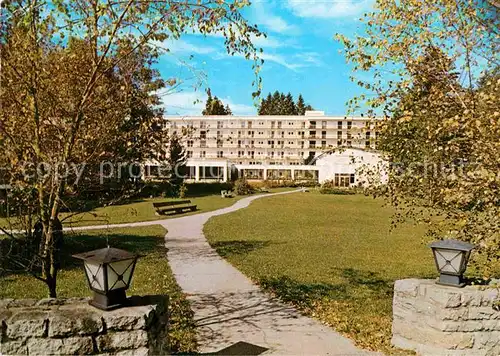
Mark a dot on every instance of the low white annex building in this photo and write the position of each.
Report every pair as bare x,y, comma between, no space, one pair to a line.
311,147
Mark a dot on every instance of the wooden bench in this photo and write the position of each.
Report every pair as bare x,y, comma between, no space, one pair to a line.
173,206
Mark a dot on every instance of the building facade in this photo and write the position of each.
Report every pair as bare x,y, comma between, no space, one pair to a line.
268,147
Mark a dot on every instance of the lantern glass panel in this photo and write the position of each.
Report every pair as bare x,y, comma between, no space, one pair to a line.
95,274
119,274
449,260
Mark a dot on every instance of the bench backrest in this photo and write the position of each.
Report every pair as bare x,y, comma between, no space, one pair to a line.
171,203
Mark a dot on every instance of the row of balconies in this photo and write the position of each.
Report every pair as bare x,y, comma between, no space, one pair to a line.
329,124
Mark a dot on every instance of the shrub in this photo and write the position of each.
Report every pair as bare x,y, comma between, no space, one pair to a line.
201,189
337,191
242,187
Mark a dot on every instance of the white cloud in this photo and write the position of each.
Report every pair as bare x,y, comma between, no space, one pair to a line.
263,16
267,42
329,8
192,103
276,58
312,59
181,46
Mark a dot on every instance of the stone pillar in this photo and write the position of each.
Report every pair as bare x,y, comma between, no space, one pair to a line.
432,319
197,173
293,173
265,174
224,171
73,327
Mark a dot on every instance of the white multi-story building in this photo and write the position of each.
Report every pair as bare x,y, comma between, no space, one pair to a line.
271,147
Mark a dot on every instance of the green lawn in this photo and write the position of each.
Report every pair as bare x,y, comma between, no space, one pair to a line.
140,210
332,256
152,276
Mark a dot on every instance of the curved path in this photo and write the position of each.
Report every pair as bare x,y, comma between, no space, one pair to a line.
230,310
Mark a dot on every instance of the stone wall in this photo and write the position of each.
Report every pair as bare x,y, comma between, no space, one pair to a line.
439,320
72,326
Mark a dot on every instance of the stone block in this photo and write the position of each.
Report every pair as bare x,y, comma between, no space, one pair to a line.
27,323
45,346
4,303
124,340
445,297
491,325
22,303
122,322
471,298
78,321
489,341
481,313
453,314
16,347
406,287
77,346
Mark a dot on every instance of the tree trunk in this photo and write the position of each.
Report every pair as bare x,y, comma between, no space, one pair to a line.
50,255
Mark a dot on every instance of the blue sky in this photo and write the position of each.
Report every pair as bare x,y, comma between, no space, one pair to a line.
300,56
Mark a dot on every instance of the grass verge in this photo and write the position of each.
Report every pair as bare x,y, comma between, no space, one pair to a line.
152,276
332,256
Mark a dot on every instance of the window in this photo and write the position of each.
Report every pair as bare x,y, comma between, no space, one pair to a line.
339,134
282,134
203,143
339,125
323,124
303,125
220,124
190,143
312,144
273,123
240,153
189,154
301,144
349,125
203,135
203,125
279,124
312,134
339,142
239,134
239,143
323,134
203,154
220,154
219,143
219,134
272,134
243,124
312,125
323,144
249,124
251,133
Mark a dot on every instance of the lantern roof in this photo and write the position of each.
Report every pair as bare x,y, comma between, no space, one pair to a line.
106,255
452,244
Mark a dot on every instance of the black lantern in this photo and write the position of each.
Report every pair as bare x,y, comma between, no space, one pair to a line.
109,273
451,258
